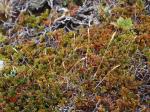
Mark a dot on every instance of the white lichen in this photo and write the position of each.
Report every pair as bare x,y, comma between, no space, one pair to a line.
1,64
6,8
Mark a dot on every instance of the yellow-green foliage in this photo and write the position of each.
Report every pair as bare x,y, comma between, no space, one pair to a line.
34,21
2,38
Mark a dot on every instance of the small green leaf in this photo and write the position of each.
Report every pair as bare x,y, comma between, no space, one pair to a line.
124,24
2,38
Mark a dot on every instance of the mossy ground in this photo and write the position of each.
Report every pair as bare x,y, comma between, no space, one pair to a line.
85,69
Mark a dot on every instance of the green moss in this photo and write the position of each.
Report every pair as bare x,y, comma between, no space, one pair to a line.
2,38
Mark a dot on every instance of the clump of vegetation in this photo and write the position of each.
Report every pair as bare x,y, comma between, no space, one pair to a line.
6,8
89,70
125,24
2,38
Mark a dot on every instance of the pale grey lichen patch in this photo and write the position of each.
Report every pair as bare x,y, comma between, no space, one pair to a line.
1,64
6,8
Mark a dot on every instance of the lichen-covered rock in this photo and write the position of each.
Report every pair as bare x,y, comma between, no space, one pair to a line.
147,6
36,4
86,16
